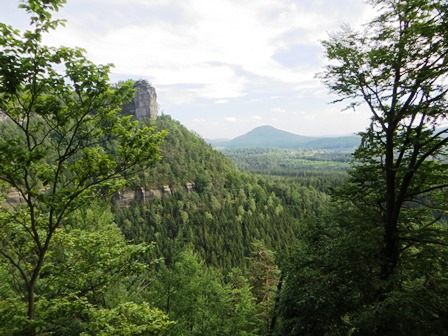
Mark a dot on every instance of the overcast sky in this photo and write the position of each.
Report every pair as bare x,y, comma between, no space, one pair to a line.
220,67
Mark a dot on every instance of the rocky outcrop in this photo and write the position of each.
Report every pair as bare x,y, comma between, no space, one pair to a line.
189,187
144,104
3,116
124,198
13,198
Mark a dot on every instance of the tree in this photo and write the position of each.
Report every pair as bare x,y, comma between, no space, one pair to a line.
332,275
63,142
264,278
196,297
398,67
86,282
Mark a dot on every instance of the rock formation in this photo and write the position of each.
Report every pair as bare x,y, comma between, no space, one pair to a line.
144,104
124,198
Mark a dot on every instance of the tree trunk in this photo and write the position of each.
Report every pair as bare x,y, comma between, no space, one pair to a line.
390,219
31,290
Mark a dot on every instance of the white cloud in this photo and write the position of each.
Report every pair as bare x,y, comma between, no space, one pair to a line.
204,48
278,110
230,119
221,101
207,57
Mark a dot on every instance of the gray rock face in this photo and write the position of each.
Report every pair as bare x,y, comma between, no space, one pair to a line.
3,116
125,197
144,104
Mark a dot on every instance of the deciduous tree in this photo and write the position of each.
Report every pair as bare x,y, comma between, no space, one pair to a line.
63,141
396,197
398,68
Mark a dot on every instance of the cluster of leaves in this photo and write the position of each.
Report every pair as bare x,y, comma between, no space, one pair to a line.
84,284
334,282
201,300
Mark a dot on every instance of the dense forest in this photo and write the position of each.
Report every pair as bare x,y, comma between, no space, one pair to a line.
249,241
227,210
321,169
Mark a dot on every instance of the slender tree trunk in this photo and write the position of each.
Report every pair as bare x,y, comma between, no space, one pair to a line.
390,217
391,248
31,313
31,288
30,330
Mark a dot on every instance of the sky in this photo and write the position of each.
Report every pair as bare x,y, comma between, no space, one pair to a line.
220,67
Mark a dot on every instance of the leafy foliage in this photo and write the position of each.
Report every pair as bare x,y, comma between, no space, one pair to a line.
60,114
83,284
128,319
199,299
264,278
381,268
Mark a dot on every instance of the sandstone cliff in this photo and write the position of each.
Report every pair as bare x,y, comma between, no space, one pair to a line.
144,104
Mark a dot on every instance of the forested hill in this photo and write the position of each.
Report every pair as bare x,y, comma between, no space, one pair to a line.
227,211
271,137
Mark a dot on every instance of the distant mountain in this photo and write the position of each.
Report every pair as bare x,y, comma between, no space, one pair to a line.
271,137
340,143
268,136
